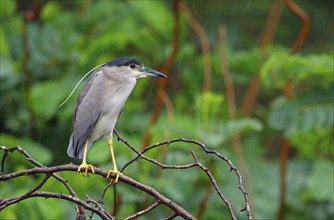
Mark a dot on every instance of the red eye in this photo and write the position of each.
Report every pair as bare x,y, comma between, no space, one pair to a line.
132,65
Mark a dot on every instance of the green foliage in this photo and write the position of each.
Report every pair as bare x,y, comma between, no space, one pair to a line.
307,191
208,107
246,63
35,149
207,125
316,190
282,68
306,111
47,92
314,143
51,11
307,119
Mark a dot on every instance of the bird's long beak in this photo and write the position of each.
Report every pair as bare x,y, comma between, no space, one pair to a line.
150,72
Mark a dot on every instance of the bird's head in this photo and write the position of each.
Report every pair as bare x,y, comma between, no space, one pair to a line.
131,68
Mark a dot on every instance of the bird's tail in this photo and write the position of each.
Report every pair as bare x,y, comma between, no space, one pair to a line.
71,150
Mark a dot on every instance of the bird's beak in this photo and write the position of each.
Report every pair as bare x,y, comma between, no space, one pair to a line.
149,72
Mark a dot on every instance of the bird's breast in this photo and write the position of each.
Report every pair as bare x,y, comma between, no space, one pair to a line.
115,96
112,103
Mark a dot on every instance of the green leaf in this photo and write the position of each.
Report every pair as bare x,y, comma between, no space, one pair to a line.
51,11
211,138
46,96
320,182
156,14
179,126
246,62
243,125
5,47
7,8
208,108
303,112
36,150
281,68
10,212
313,143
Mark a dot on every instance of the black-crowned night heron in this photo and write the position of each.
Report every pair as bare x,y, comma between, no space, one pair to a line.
99,104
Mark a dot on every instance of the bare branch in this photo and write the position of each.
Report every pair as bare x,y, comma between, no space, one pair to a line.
205,45
36,163
203,147
172,216
213,181
26,195
73,199
71,167
80,213
143,212
96,206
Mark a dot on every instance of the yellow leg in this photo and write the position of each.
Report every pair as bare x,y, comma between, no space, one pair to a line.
84,165
115,170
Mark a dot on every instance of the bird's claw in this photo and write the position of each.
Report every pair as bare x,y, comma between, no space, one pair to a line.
116,172
85,167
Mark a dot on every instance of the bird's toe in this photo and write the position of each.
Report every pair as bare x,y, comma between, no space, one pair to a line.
113,180
84,167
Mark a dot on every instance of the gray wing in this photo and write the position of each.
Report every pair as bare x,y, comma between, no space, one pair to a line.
86,114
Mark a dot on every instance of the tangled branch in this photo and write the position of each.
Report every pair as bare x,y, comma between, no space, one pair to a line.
96,206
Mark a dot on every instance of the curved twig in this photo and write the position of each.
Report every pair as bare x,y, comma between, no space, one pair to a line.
140,155
306,25
200,31
221,195
142,212
73,199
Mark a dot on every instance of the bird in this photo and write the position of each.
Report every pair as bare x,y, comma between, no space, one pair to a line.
99,105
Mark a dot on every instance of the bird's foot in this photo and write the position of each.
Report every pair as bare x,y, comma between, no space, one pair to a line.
85,167
113,181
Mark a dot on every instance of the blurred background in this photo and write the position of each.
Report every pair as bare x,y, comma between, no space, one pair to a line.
248,78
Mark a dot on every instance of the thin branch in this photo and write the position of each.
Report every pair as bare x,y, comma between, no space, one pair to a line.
73,199
172,216
204,202
143,212
226,72
267,38
168,103
26,195
80,213
200,31
27,75
115,198
230,93
306,25
213,181
203,147
36,163
98,204
288,92
140,155
284,157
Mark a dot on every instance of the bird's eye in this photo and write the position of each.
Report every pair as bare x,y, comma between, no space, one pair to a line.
132,65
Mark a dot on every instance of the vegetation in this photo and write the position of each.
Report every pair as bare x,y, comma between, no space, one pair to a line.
237,82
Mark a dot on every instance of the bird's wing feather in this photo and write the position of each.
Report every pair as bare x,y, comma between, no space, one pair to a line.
87,111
